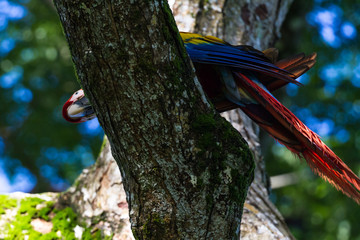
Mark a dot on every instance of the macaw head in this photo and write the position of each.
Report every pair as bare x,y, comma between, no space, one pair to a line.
78,109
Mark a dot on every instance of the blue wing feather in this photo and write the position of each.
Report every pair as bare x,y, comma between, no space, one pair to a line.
236,57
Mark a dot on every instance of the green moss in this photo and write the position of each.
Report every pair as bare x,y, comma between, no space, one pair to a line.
6,203
44,212
155,227
171,29
87,235
178,69
145,64
165,31
64,221
240,182
21,226
211,152
217,139
205,122
103,145
209,201
76,184
85,8
216,124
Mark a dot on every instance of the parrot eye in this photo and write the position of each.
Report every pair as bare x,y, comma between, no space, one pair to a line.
76,93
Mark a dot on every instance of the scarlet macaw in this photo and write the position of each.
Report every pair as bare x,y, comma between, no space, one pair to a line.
243,77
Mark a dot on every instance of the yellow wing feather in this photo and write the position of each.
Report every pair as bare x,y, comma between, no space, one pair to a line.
194,38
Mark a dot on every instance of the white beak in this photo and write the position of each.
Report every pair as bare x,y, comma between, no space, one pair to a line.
75,109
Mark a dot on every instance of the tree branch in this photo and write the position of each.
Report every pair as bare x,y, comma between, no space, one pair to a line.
256,23
186,171
98,196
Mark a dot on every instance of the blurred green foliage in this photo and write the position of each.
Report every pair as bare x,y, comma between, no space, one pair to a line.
34,136
32,130
328,103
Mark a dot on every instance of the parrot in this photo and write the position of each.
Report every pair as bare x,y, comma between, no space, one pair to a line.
239,76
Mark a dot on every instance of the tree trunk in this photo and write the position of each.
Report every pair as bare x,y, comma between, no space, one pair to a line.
185,170
178,184
255,23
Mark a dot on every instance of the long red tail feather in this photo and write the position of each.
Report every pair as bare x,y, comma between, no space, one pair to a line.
321,159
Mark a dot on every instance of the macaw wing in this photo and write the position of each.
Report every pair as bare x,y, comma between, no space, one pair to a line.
211,50
296,65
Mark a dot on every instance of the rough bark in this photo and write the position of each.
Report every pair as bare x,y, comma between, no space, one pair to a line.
256,23
185,170
98,196
99,199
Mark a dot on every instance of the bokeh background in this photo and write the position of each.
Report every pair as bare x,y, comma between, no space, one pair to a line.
41,152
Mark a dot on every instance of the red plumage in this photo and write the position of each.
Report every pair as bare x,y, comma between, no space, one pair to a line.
243,77
305,143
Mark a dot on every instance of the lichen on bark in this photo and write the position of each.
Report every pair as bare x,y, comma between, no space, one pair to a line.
98,198
136,73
